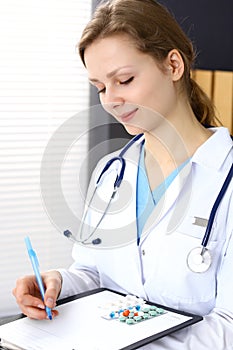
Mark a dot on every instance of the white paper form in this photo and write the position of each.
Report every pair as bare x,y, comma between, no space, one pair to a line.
80,326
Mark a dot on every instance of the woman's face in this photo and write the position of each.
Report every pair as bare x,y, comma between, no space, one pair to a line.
131,86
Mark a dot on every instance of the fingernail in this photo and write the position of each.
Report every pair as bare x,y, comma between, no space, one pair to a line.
50,302
41,306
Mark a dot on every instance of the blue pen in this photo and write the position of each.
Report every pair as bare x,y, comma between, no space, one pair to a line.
35,265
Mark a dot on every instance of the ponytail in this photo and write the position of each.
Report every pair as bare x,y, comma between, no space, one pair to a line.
202,106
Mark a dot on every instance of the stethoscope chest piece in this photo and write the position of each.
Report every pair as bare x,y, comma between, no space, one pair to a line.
199,259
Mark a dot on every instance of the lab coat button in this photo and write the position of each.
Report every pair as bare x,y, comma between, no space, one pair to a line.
143,252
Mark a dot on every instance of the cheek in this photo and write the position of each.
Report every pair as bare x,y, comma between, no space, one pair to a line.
160,97
150,117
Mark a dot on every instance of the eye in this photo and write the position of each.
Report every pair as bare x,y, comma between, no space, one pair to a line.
101,91
125,82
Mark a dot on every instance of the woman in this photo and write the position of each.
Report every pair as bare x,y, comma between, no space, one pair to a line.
139,60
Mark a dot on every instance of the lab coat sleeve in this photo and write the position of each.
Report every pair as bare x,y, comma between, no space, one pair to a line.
82,274
76,281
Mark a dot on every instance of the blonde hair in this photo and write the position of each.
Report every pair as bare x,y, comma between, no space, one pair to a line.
155,32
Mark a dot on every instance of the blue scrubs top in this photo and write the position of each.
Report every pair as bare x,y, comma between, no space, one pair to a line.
147,199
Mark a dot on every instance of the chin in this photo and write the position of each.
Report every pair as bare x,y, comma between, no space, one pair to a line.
133,130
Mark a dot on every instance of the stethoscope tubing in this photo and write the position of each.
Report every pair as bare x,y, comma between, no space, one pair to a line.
215,207
83,241
129,144
119,158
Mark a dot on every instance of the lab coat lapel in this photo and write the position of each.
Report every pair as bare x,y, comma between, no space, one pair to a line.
168,200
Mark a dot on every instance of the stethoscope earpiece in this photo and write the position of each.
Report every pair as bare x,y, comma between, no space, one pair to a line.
96,241
69,234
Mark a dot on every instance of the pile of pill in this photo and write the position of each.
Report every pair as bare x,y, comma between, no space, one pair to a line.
132,316
130,309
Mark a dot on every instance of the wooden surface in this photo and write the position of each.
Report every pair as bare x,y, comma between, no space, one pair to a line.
218,85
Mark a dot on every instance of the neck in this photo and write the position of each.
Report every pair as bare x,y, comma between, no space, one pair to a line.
169,145
176,140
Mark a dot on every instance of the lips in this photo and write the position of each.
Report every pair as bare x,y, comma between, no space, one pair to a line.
126,117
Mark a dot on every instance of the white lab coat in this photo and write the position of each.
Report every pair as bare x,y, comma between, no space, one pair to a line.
156,269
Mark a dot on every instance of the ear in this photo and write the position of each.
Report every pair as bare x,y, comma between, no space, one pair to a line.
175,64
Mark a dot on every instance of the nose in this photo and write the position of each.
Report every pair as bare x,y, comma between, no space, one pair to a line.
111,100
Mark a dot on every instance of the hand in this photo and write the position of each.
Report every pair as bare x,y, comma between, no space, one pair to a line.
28,295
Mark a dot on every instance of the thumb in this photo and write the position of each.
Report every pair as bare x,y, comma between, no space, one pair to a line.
53,283
50,301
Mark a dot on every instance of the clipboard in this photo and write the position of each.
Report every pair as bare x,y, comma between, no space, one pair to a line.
81,325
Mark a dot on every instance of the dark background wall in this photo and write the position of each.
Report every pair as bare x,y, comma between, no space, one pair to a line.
209,24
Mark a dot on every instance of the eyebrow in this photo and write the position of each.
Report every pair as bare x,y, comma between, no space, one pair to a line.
110,74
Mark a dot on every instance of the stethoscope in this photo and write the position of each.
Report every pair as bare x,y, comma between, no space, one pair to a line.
199,259
117,183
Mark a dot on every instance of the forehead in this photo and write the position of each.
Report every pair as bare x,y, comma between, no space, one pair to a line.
107,54
111,41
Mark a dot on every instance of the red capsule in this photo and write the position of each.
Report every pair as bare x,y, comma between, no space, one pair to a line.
126,313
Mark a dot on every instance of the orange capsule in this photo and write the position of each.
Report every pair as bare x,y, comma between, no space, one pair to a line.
126,313
136,314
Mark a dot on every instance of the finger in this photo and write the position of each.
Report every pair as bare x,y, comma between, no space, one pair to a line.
53,287
25,299
37,313
34,312
34,308
51,297
26,285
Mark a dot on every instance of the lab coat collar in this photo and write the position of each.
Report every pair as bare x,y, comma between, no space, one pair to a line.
208,155
167,201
